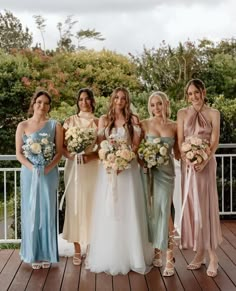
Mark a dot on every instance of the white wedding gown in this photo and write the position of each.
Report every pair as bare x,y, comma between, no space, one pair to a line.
119,235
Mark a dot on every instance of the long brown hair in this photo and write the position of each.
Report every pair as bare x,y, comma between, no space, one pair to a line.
127,112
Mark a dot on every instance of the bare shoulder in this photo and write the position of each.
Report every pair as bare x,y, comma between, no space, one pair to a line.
144,122
213,113
135,119
58,124
182,112
103,120
23,124
172,123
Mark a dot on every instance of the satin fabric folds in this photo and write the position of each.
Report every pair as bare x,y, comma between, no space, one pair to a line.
200,227
159,187
80,180
119,237
39,209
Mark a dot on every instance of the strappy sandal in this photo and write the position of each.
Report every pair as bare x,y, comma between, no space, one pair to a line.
157,261
170,260
196,265
76,261
46,265
212,272
36,266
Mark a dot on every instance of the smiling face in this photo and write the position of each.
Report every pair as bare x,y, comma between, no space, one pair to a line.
120,100
42,105
84,102
195,96
156,106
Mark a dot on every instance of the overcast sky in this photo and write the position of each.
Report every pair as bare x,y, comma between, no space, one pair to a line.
129,25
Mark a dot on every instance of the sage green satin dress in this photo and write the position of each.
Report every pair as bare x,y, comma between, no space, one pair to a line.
159,186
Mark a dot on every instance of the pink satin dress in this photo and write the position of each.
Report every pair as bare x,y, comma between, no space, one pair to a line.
200,226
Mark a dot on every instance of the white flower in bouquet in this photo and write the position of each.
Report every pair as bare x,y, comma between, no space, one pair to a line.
39,151
115,154
154,153
163,151
79,139
35,148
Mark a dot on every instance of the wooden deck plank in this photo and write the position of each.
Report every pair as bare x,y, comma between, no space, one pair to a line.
231,225
22,278
87,280
71,276
9,271
228,235
154,280
121,283
186,277
227,265
4,257
229,250
103,282
16,275
55,276
137,282
37,280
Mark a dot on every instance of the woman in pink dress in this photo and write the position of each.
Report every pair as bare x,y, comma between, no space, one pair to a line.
200,228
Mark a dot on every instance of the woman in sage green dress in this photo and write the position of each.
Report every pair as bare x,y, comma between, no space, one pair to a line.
159,182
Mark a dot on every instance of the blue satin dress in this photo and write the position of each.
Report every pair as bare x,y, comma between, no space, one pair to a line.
159,187
39,207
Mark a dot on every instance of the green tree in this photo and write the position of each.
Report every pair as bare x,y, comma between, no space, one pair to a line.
67,37
40,21
12,34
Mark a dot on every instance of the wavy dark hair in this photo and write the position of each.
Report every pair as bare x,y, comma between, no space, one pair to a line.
199,84
127,112
89,92
36,95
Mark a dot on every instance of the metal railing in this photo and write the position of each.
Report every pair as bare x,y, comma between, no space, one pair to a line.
227,192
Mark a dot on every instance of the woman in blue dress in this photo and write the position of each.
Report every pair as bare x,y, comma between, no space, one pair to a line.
39,149
159,182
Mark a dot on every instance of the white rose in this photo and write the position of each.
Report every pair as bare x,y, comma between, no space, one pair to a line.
186,147
44,141
163,151
35,148
189,155
104,144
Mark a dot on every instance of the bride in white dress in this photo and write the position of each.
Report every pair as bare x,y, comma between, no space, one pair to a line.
119,236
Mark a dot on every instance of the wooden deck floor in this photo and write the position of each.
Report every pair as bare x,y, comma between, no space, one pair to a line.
15,275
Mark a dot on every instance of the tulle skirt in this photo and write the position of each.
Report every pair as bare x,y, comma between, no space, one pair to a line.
119,237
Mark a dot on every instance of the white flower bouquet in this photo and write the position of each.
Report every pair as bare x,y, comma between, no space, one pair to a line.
39,151
196,150
115,154
154,153
78,139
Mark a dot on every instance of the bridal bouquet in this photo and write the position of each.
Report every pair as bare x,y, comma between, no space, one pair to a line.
39,151
154,153
78,139
115,154
196,149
